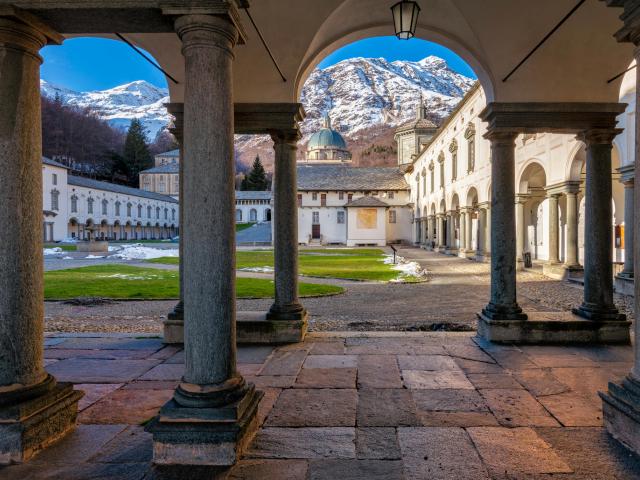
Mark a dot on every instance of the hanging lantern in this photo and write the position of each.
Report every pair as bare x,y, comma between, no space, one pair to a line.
405,18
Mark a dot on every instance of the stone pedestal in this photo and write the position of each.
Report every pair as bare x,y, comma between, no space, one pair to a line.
624,285
34,410
92,246
212,416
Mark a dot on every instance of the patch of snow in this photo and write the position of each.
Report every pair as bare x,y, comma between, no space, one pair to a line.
89,257
129,276
52,251
70,240
407,269
257,269
114,248
137,251
67,258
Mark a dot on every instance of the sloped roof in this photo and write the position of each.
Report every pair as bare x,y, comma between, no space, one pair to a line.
112,187
170,153
367,201
340,177
422,123
53,163
252,195
168,168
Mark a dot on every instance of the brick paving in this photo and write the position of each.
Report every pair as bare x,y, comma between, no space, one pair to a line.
354,406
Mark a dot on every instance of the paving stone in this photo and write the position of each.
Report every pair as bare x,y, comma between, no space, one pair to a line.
314,408
574,410
601,353
355,470
323,442
592,453
167,352
326,378
377,443
151,385
466,352
493,380
254,353
104,343
51,341
268,401
512,359
177,358
269,470
510,452
436,453
328,348
331,361
457,419
79,446
78,471
517,408
449,400
588,381
61,354
165,371
378,371
391,346
276,381
245,369
420,379
426,362
284,363
540,382
126,406
472,366
99,371
556,357
49,361
94,392
132,445
386,408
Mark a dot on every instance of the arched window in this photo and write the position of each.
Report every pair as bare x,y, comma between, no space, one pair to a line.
238,215
89,205
470,135
74,203
253,215
161,185
105,205
441,162
432,177
55,195
128,209
173,214
166,213
149,211
139,210
157,213
453,148
117,209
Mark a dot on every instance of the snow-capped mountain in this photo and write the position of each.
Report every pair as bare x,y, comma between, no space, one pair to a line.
361,93
119,105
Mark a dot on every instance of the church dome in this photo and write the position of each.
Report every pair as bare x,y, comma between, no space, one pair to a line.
326,138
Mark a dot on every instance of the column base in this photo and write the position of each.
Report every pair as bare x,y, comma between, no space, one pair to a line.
624,284
484,257
261,328
597,313
173,331
560,271
28,426
621,412
451,251
177,313
548,328
213,436
467,253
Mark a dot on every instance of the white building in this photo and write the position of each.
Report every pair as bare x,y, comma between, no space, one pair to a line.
345,205
164,176
253,206
75,206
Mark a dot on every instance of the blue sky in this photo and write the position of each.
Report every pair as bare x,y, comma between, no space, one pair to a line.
97,64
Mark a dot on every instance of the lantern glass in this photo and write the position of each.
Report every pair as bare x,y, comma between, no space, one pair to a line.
405,18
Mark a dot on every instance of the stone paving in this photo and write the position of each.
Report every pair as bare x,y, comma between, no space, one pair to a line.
354,405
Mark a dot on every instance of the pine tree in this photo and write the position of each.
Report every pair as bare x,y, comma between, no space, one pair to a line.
256,180
136,151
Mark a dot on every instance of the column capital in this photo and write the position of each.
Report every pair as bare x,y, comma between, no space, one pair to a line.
176,110
24,32
598,136
196,31
501,137
289,136
627,174
222,9
522,198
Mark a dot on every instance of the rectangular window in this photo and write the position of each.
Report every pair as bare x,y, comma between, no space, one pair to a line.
299,199
341,195
390,195
340,217
54,178
323,200
314,196
392,216
350,197
315,218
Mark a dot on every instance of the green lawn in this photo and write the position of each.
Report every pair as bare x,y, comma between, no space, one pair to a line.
66,248
355,264
243,226
126,282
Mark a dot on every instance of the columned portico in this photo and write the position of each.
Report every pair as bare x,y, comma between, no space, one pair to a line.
212,416
571,257
35,410
553,267
463,232
173,326
520,230
452,248
482,242
554,230
468,233
625,279
598,268
440,233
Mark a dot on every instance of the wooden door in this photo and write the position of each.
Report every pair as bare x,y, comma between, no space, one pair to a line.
315,231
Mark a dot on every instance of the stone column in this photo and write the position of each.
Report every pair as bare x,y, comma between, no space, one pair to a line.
627,271
468,232
287,305
554,234
480,244
440,230
503,304
487,236
34,409
520,231
463,232
598,269
212,415
173,327
571,258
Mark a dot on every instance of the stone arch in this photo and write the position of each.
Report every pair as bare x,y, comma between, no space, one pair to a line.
253,215
472,197
443,206
533,176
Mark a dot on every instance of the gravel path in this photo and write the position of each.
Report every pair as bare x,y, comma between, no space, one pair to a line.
456,290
